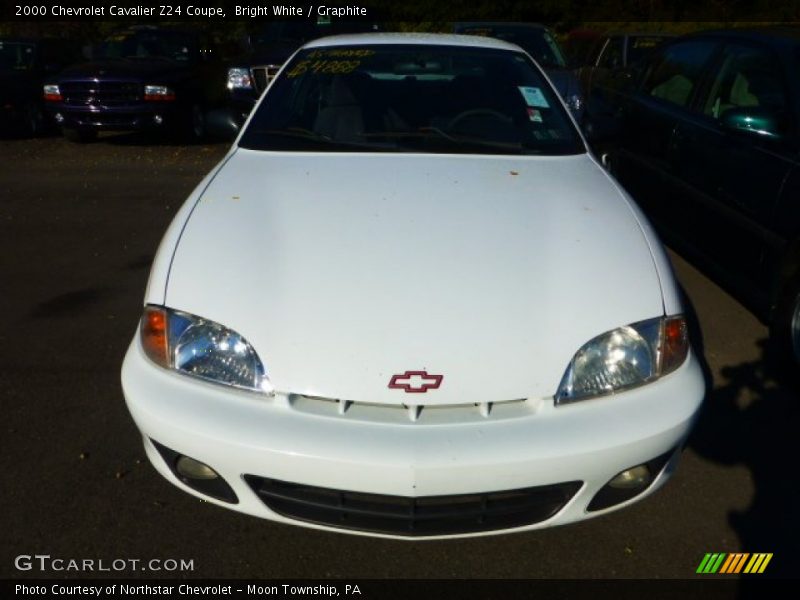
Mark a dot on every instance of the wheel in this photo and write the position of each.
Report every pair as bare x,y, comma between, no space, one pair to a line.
80,136
785,329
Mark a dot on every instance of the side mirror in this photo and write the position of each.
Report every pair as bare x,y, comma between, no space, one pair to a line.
754,121
221,124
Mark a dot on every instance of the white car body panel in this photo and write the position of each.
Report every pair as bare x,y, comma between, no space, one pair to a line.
241,433
491,271
344,269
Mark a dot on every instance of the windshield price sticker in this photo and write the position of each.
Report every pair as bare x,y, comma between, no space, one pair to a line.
341,53
533,96
324,67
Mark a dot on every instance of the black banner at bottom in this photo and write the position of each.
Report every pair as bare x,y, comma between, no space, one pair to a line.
368,589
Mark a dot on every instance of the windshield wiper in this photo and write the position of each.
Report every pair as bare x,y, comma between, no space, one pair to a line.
437,132
307,134
298,132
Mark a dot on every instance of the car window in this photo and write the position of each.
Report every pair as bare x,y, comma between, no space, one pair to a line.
748,77
412,98
676,71
148,44
612,54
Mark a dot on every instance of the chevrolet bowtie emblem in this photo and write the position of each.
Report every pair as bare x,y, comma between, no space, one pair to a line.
415,382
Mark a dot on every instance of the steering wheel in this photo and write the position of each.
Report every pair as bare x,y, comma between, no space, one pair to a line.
476,112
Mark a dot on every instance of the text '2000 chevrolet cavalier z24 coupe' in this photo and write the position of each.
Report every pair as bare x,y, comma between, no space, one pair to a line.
410,303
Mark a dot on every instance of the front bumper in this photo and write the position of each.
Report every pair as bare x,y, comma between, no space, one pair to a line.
135,117
246,437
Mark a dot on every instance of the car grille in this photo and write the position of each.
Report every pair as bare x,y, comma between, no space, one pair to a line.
422,414
400,515
262,75
100,93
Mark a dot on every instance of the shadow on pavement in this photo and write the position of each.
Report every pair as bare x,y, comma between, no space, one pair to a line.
751,419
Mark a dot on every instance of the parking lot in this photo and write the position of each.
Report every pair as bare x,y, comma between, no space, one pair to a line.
79,225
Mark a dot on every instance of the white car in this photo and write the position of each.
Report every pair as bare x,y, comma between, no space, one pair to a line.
409,302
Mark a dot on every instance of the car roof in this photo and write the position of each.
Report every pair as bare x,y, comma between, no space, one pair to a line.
776,36
425,39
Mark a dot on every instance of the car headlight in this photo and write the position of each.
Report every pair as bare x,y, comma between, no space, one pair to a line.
201,348
52,93
239,79
158,93
625,357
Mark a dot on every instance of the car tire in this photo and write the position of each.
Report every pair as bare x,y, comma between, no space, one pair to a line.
80,136
785,329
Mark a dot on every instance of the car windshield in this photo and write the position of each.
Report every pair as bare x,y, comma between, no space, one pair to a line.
16,56
168,45
412,98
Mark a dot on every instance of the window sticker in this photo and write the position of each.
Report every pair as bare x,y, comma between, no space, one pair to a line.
533,96
534,115
334,53
324,67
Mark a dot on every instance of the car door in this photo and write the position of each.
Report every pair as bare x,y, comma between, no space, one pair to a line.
644,162
734,179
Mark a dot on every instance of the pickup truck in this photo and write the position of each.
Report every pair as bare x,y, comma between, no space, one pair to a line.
142,78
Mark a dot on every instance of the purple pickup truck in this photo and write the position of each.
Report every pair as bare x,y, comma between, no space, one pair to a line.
142,78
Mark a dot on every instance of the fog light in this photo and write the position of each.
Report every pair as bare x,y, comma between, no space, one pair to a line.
59,118
630,479
194,469
196,475
158,119
629,483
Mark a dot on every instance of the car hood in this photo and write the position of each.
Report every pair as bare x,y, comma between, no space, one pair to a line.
343,270
122,69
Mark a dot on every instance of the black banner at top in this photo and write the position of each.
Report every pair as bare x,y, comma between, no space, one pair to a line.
129,12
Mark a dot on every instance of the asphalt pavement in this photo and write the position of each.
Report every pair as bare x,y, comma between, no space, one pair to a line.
79,225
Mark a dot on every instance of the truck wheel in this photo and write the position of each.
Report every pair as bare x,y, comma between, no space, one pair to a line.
80,136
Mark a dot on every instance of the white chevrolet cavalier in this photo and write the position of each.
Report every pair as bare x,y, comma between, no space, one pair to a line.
410,303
